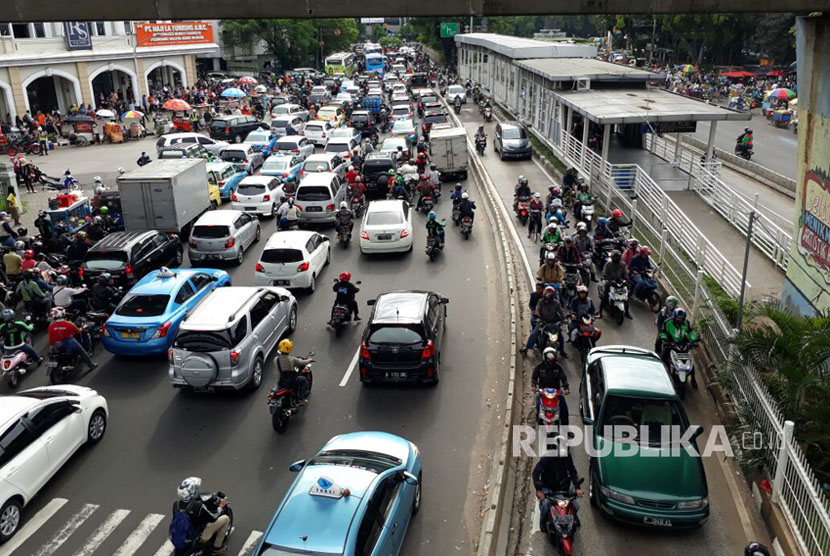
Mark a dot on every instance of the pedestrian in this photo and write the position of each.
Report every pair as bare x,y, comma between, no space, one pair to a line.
13,207
194,118
26,175
43,139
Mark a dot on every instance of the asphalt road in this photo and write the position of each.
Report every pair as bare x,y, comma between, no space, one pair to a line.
724,533
158,435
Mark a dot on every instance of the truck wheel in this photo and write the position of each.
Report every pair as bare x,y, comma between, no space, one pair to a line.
179,257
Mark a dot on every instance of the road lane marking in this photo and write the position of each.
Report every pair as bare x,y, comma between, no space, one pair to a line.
350,369
32,525
72,525
102,532
166,549
139,535
250,543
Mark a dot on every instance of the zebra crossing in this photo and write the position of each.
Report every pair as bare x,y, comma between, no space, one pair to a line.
60,528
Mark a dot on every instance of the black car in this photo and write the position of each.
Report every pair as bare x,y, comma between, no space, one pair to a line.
402,340
511,141
376,165
128,256
361,120
234,128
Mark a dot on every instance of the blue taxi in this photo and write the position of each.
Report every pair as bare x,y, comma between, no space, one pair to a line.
226,176
282,166
262,139
147,319
356,496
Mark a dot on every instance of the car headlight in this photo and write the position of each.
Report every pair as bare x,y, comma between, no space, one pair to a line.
618,496
693,504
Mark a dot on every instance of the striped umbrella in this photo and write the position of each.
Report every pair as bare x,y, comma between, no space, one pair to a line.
686,68
781,94
176,105
132,114
247,79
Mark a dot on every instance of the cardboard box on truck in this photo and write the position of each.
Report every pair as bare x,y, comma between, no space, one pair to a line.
164,195
448,150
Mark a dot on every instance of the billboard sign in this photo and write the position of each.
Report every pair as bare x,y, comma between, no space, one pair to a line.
78,35
167,34
449,30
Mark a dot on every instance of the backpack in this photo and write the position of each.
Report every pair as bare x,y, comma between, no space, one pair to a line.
182,530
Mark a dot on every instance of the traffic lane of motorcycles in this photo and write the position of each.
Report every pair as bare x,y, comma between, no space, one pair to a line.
158,435
723,534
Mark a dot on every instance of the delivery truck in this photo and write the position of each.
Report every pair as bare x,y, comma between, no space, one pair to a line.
448,150
164,195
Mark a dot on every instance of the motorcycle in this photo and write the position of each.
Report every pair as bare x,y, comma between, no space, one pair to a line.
199,548
488,114
548,336
433,247
522,209
466,226
457,107
617,298
560,525
547,406
572,280
744,151
481,145
357,207
456,214
585,269
585,335
651,295
427,204
15,365
62,365
681,365
344,234
587,213
282,401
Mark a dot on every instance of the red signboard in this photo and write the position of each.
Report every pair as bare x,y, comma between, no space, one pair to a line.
166,34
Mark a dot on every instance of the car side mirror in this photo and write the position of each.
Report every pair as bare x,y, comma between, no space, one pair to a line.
445,300
326,238
409,478
370,302
284,298
297,466
587,421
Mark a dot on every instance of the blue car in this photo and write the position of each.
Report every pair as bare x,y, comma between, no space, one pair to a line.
356,496
226,176
263,140
147,319
282,166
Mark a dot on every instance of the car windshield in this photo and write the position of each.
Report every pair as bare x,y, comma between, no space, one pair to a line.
105,260
257,136
368,461
513,133
287,146
383,218
337,147
251,189
210,232
203,341
276,256
435,118
316,166
456,89
395,334
391,144
143,306
402,126
229,155
644,414
275,165
313,193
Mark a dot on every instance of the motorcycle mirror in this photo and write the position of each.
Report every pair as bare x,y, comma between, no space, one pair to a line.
445,300
358,282
297,466
370,302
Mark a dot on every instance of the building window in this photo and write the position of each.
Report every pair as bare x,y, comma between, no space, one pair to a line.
99,28
21,31
38,30
128,27
5,30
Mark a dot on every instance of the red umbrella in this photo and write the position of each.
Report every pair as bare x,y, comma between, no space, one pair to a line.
737,74
247,79
775,73
176,104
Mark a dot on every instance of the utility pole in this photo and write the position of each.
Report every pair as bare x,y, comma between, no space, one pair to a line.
739,318
653,31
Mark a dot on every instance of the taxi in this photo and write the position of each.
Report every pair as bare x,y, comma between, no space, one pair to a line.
226,176
356,496
147,319
332,114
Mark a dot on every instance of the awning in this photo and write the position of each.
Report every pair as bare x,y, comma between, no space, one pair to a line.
737,74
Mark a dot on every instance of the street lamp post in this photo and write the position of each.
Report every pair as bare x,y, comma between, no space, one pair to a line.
739,318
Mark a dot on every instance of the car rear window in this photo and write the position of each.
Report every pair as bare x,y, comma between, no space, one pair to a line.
143,306
219,124
279,123
105,260
282,256
395,334
278,165
435,118
337,147
314,193
398,110
172,154
429,98
203,341
383,218
251,188
234,156
316,166
378,164
314,126
654,414
287,146
210,232
360,118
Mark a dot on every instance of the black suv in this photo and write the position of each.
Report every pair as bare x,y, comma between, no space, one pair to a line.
402,340
128,256
375,165
235,128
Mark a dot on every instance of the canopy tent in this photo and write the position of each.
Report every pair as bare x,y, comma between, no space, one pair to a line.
737,74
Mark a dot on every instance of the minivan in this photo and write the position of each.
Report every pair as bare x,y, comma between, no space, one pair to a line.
287,125
318,131
375,165
224,343
258,195
318,196
324,162
511,141
222,235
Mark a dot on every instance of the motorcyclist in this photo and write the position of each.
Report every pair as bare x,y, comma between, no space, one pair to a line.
33,296
457,104
343,217
206,513
399,190
64,296
28,262
289,186
13,334
639,265
346,292
108,222
358,188
551,271
584,243
614,270
143,159
351,175
568,252
456,194
665,314
580,306
756,549
425,189
434,176
548,311
7,236
289,368
96,231
290,214
481,136
44,225
435,227
550,374
104,296
630,251
521,189
535,209
745,140
553,193
421,164
601,231
63,337
78,250
617,222
583,196
467,207
555,472
675,330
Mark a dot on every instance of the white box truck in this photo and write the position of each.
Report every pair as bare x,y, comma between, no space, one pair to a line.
164,195
448,149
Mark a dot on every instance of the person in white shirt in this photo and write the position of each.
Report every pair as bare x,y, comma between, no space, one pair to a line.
64,296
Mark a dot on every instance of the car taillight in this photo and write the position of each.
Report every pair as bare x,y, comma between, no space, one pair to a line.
364,235
104,331
324,135
302,172
286,175
429,351
295,152
227,130
192,242
170,356
233,197
404,233
259,268
303,267
266,198
221,184
162,330
129,270
231,242
235,358
329,208
364,351
246,161
81,272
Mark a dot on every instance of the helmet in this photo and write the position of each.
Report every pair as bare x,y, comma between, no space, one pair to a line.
57,313
537,195
645,251
41,212
582,289
421,155
189,489
569,239
672,300
343,205
550,256
602,220
97,179
23,231
358,179
548,291
679,314
432,167
345,276
291,201
616,213
286,346
4,215
432,215
98,220
747,130
522,180
756,549
351,168
19,245
551,187
61,280
552,227
557,202
28,254
82,235
104,279
104,210
391,172
7,315
423,177
582,227
616,256
558,447
465,195
633,243
549,354
458,187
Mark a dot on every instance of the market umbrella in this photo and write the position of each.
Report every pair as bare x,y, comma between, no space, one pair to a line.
78,118
686,68
105,114
176,105
247,79
261,89
781,94
775,73
233,92
737,74
131,114
794,102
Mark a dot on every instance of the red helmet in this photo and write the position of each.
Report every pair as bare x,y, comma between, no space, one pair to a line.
645,251
28,254
345,276
421,155
423,177
616,213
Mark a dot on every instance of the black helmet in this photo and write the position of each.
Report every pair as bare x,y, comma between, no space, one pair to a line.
22,231
28,275
616,256
104,279
62,280
747,130
522,180
756,549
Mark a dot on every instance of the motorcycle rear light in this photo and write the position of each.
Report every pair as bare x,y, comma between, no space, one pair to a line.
192,243
235,358
259,268
162,330
303,267
233,197
170,355
129,270
364,235
230,243
104,331
81,272
429,350
7,364
364,351
404,233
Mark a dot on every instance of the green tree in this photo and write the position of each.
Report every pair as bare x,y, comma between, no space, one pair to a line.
378,32
774,36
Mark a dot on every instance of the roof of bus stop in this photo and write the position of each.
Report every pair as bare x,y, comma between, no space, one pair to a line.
643,105
518,48
571,69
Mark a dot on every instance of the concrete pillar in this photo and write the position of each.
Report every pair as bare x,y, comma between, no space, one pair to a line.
86,90
190,69
570,120
585,126
18,92
606,141
678,138
710,145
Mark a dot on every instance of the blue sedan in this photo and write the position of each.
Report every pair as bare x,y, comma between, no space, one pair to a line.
356,496
263,140
282,166
147,319
226,176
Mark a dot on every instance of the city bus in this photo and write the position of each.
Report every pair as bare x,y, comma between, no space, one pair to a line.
341,62
371,48
375,62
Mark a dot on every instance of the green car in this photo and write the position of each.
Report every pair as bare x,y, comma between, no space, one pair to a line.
650,485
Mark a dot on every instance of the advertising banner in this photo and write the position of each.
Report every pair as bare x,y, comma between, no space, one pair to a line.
169,34
78,36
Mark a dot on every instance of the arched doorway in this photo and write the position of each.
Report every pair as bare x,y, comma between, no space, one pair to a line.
165,76
51,92
108,82
7,103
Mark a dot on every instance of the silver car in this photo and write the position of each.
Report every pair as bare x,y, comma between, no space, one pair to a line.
224,343
318,197
222,235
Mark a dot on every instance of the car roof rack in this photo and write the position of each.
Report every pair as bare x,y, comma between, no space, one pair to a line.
623,349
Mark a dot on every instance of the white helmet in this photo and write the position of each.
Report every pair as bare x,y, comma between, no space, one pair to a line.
558,447
550,256
121,170
465,195
557,202
189,489
57,313
100,189
552,227
537,195
343,205
582,227
351,168
549,354
97,179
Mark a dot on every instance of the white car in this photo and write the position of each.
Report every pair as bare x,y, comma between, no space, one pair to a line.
344,146
399,89
456,91
245,155
386,227
402,112
348,132
343,98
289,109
391,144
40,429
213,146
258,195
318,131
293,259
294,144
375,92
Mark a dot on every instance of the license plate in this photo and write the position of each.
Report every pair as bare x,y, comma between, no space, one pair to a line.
250,208
215,257
129,335
395,376
52,364
384,237
281,282
659,521
314,209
